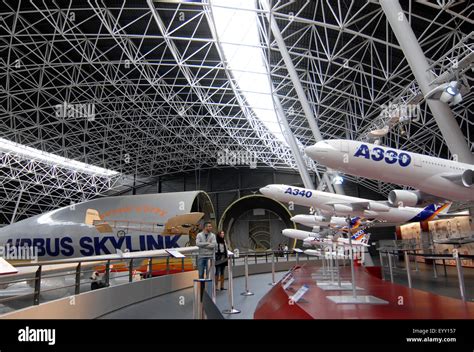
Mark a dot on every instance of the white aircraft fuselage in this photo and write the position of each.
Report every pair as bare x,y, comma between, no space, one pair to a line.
62,233
342,205
443,178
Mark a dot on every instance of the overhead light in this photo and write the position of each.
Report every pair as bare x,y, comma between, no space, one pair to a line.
449,93
451,90
29,153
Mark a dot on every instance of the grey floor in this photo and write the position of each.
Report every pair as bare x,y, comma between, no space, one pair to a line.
179,304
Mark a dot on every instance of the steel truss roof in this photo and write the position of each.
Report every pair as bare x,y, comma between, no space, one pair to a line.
165,100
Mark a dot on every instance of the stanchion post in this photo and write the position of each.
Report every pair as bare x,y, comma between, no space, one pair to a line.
77,286
198,290
36,297
212,264
247,292
416,262
390,266
107,274
231,309
407,266
130,271
435,271
150,267
381,265
462,288
331,265
273,269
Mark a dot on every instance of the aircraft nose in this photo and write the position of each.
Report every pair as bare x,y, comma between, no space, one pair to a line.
297,218
319,150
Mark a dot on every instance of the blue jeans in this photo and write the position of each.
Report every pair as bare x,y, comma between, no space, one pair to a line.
203,264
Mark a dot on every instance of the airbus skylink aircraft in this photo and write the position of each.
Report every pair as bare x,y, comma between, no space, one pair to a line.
112,228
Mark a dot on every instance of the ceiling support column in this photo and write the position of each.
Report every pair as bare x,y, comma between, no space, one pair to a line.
291,140
442,113
298,87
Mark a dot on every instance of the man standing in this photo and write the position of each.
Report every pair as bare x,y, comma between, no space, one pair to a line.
206,241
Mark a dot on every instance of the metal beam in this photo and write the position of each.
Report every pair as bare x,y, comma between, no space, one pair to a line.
16,206
298,87
291,140
443,115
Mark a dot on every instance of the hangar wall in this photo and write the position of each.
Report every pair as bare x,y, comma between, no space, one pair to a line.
226,185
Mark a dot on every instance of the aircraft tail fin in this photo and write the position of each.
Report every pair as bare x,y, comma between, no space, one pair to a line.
445,208
359,235
355,222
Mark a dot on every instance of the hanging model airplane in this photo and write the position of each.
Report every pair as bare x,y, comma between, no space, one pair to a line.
342,205
441,178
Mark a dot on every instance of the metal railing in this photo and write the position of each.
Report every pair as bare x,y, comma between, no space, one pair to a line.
433,256
75,277
79,272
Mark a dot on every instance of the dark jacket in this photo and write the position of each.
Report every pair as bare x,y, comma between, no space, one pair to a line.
221,252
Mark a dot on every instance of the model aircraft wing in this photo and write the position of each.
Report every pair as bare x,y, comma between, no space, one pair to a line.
181,224
356,206
176,225
93,218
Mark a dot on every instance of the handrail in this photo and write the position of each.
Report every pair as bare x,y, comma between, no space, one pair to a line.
76,268
430,255
120,257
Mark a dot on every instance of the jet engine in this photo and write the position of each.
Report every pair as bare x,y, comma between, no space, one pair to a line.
338,221
467,178
343,209
379,207
399,197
